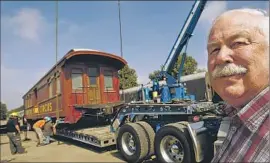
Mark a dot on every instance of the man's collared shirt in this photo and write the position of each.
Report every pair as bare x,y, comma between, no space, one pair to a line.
248,137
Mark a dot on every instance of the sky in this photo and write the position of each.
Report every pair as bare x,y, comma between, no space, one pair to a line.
149,30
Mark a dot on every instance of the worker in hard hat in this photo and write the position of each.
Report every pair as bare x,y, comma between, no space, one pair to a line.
13,133
38,130
48,130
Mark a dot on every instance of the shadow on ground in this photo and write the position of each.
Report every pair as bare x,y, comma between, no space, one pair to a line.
5,161
114,152
67,141
2,143
118,155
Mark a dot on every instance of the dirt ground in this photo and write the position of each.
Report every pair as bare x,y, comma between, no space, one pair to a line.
66,151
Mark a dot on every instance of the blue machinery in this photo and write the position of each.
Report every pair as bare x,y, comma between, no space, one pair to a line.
177,113
174,90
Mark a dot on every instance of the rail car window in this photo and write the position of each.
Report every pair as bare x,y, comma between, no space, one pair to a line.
29,101
51,89
58,90
36,94
26,102
108,80
92,74
77,80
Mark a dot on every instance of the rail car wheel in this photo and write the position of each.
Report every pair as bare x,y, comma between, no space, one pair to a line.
150,136
132,143
171,145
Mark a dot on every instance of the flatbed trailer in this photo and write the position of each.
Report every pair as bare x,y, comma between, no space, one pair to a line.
96,136
104,136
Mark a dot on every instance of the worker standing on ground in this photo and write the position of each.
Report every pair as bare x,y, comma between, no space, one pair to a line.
38,130
48,130
13,133
238,64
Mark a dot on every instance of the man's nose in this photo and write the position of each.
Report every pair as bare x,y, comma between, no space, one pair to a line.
224,56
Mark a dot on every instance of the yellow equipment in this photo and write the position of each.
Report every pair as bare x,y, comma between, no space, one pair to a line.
14,114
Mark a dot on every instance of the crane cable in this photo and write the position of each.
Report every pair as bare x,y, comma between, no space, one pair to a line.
120,28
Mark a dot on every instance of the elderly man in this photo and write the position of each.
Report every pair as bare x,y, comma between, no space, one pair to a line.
238,64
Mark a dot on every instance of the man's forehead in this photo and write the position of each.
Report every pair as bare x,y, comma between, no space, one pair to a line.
217,34
228,24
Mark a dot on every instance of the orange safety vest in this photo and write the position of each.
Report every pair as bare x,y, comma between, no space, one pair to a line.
39,124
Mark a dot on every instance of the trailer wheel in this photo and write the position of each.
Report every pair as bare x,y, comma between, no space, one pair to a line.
150,136
132,143
171,145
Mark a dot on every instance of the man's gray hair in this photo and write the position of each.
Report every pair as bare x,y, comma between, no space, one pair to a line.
263,27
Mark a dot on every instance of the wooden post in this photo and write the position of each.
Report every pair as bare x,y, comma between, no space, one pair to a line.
56,56
56,60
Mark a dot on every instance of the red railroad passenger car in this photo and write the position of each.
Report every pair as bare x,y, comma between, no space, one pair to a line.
84,84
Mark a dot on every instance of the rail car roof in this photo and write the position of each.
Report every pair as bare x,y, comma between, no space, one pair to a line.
76,52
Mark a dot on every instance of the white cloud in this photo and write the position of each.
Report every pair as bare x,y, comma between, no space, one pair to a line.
212,10
15,82
27,30
27,23
34,39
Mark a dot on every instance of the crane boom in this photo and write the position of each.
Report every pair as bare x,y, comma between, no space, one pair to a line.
181,41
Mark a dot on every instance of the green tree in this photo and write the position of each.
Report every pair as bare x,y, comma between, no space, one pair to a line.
154,74
17,109
128,77
190,66
201,70
3,110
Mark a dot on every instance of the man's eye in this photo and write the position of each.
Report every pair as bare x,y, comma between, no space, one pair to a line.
214,51
237,44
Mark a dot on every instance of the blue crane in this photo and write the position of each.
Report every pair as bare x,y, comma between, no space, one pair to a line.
175,88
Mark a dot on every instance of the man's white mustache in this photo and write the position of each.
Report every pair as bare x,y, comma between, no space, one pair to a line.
228,70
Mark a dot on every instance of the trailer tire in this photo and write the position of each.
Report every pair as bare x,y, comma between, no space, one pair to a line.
150,136
166,155
139,135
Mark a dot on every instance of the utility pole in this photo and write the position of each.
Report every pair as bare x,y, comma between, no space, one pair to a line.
119,17
56,57
121,46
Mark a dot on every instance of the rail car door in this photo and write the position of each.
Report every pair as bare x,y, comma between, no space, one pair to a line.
109,83
93,85
77,76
